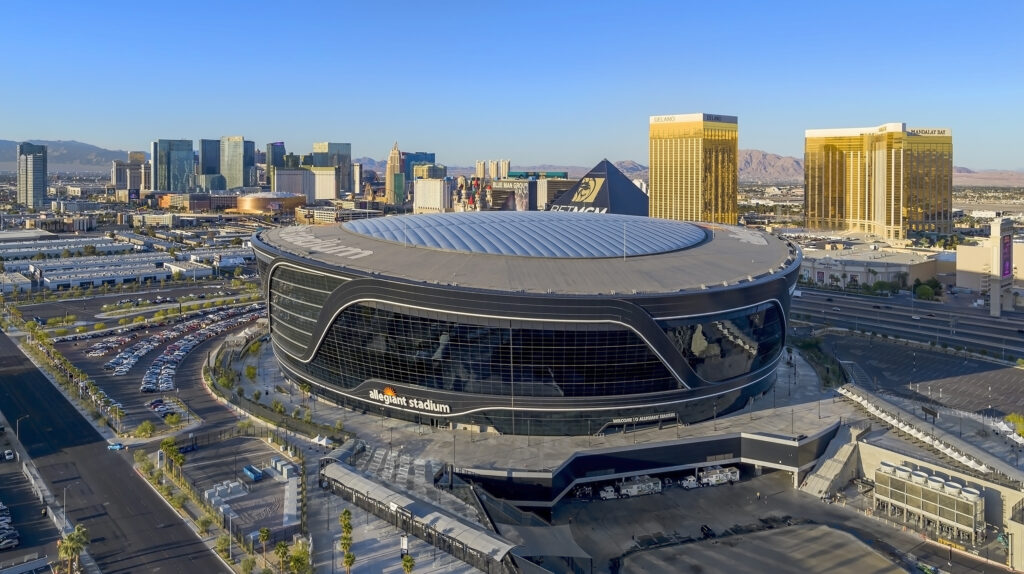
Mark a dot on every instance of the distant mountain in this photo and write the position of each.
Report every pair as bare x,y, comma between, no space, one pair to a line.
987,178
369,163
757,166
67,156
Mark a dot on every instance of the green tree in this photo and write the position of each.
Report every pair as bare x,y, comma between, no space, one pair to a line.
299,559
349,562
99,326
250,372
924,293
72,546
173,419
264,537
281,551
408,563
145,430
248,565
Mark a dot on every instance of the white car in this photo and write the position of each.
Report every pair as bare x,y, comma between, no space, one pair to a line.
8,454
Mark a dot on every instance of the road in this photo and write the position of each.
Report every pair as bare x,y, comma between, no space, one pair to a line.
950,325
131,529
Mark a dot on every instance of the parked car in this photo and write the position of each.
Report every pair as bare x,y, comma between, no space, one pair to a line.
8,454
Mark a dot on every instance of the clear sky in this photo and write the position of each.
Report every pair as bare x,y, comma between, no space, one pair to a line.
557,82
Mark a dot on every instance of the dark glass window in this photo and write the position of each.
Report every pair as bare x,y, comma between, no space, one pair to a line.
388,342
296,298
727,345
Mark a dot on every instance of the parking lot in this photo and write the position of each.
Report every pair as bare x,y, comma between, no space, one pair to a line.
758,524
24,529
130,369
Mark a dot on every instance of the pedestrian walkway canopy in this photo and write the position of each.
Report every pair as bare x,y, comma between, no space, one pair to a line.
466,541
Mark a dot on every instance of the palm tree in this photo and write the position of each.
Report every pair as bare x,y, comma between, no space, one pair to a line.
281,551
264,538
73,545
345,543
408,563
348,562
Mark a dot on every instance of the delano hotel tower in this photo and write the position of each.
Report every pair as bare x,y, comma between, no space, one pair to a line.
694,168
887,181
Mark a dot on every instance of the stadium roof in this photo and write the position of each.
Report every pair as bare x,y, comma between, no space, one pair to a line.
534,234
724,257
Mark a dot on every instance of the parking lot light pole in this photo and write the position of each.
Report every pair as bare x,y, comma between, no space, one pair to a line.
17,427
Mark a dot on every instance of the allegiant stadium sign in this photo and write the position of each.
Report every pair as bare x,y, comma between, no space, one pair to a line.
390,398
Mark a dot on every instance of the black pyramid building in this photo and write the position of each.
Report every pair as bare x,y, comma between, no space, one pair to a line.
604,189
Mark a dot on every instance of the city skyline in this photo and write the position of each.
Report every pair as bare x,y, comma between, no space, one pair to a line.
517,87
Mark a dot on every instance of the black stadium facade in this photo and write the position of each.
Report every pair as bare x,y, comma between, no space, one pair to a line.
529,322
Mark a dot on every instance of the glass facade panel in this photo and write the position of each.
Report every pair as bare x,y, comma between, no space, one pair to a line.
728,345
388,342
296,298
887,180
694,168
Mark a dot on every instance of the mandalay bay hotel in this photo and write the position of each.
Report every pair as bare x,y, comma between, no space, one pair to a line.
889,181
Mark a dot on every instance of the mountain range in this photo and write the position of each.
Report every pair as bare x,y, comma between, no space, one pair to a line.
755,166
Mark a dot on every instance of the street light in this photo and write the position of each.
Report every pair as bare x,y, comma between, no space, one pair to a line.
17,427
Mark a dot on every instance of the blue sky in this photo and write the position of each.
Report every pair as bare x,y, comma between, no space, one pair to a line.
534,82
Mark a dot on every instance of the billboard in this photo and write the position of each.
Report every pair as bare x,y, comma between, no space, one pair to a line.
1006,256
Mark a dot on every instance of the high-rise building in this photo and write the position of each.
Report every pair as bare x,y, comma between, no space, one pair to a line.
481,169
209,157
887,180
339,155
173,165
503,168
357,179
237,162
694,169
393,169
32,175
208,176
429,171
492,169
133,174
411,159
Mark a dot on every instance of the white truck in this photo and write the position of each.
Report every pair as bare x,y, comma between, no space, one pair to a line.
689,482
716,475
608,493
640,485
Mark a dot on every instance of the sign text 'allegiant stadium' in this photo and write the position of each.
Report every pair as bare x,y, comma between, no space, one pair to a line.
427,405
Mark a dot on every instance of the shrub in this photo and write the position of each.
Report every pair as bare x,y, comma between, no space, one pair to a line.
204,523
256,395
145,430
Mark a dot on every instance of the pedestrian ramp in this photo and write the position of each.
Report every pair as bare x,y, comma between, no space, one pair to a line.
834,467
856,375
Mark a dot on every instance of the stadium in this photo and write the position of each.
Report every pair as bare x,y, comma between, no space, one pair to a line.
542,323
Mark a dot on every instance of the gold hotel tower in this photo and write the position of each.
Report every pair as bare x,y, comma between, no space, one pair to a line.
694,167
886,181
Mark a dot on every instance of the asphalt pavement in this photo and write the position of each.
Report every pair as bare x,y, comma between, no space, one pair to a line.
131,529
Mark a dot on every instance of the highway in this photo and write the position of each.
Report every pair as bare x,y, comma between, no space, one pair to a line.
130,527
935,323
